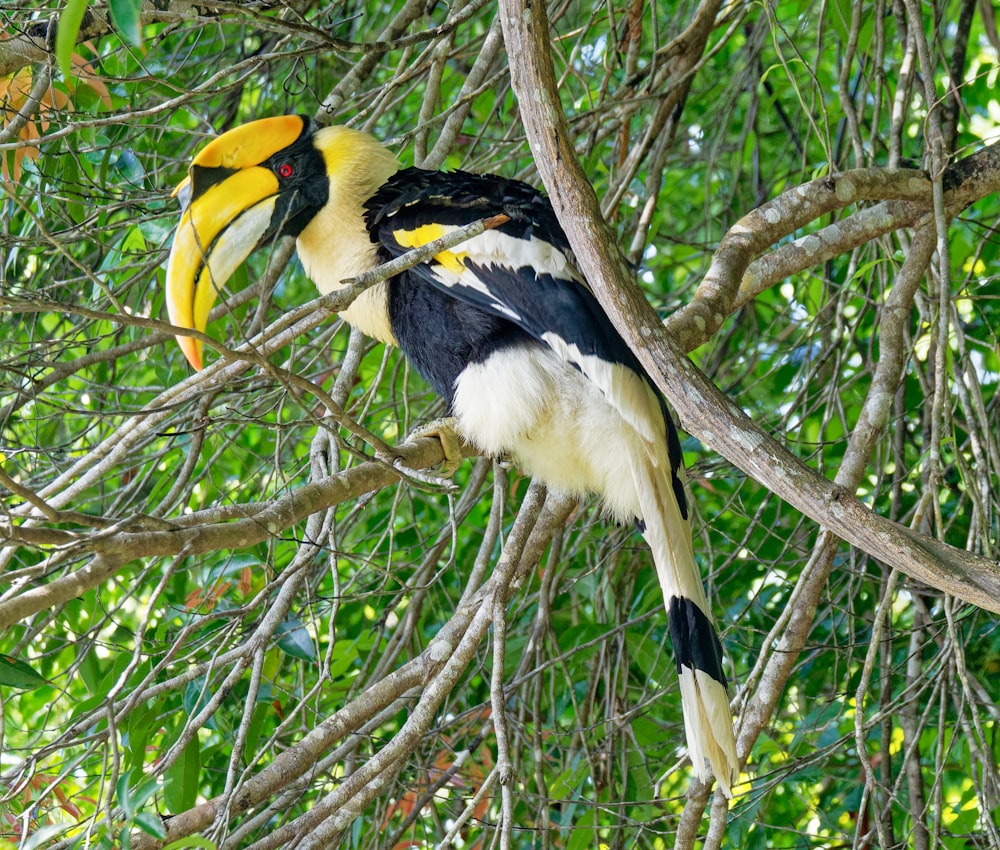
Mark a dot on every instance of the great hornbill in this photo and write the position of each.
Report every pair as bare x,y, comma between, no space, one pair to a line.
503,327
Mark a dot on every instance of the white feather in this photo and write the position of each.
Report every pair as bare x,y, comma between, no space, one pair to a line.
496,247
529,403
583,436
624,390
708,725
708,720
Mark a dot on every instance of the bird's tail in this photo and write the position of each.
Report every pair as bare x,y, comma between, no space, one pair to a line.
708,720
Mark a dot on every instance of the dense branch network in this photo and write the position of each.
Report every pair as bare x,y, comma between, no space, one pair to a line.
62,543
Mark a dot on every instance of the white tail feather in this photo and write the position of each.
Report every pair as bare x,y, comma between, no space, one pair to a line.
708,724
708,720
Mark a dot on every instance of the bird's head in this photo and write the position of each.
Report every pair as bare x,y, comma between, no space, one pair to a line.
249,186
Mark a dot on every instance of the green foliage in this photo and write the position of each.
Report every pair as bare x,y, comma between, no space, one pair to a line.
67,32
16,674
178,678
126,15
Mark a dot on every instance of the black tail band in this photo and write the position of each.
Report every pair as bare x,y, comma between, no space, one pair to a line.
696,644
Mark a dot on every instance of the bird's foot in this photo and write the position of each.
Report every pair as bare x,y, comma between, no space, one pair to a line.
446,430
451,444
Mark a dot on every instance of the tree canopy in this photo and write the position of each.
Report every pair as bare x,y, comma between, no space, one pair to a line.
241,608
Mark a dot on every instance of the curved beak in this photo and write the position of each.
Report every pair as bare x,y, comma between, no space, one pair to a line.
228,201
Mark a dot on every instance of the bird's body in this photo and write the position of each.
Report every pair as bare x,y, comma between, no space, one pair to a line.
502,326
529,364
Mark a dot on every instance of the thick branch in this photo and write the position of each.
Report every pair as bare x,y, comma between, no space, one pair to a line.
703,410
904,196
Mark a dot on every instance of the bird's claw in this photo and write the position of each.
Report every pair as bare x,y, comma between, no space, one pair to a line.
446,431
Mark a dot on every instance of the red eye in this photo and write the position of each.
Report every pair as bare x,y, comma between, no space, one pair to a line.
285,170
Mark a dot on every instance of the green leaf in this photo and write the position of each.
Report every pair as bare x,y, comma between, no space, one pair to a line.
44,836
66,34
129,166
180,790
196,695
139,726
132,799
16,674
294,639
90,672
151,823
73,176
256,727
580,839
125,15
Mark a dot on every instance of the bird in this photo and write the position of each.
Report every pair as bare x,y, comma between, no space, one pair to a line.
503,326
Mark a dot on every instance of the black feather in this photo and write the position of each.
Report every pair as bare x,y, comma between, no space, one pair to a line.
696,644
441,329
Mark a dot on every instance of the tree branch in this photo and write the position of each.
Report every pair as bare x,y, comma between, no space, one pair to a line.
261,520
703,410
434,671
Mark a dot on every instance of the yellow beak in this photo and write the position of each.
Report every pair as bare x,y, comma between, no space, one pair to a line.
229,199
